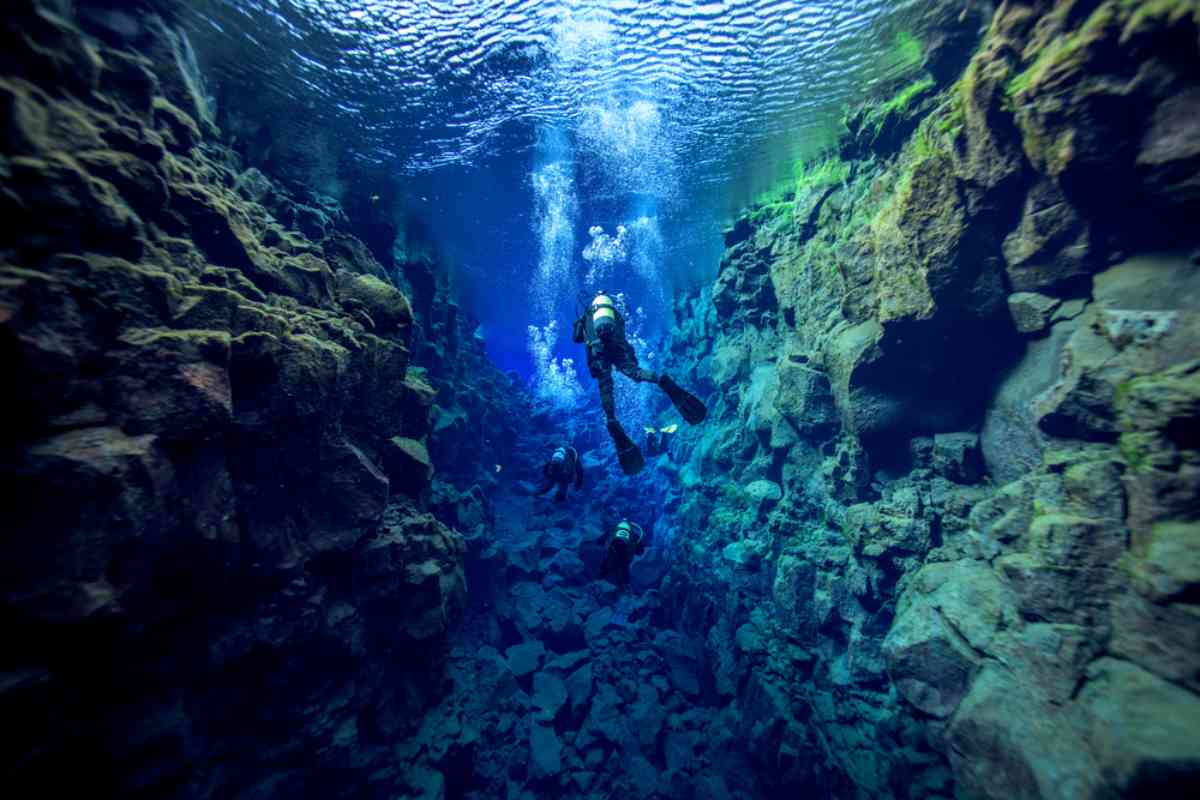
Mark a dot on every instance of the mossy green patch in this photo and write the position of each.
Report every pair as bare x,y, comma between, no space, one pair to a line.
819,174
904,55
898,105
1064,51
1134,448
1145,14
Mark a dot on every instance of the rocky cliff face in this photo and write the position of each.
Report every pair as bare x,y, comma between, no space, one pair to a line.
941,530
219,574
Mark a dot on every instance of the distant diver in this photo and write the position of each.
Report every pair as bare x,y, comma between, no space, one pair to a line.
563,466
657,439
602,329
627,541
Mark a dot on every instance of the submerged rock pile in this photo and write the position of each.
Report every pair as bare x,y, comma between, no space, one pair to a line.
563,685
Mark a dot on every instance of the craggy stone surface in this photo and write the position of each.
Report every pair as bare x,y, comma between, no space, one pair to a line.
984,546
217,580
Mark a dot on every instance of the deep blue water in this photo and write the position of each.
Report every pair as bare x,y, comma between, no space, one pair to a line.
507,130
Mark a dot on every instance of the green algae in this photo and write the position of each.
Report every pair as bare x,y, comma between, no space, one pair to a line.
903,99
896,106
904,55
1067,50
1153,13
805,176
1134,448
820,174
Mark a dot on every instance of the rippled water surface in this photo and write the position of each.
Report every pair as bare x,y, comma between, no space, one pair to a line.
515,127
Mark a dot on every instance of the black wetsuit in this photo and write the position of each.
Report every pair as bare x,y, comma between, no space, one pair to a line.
561,473
606,352
619,554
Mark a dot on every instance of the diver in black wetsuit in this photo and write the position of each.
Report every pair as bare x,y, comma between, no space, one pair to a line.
563,466
602,329
627,540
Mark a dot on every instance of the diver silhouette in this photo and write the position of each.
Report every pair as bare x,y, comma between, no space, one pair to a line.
602,329
564,466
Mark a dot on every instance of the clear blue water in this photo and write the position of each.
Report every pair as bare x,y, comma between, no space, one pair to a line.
524,135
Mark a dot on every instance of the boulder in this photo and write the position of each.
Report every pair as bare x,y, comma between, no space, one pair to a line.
408,465
545,752
1032,312
957,457
1142,730
805,397
1006,741
579,688
386,307
524,658
949,615
549,694
764,495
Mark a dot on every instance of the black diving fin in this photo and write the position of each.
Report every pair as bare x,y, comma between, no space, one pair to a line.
689,406
627,452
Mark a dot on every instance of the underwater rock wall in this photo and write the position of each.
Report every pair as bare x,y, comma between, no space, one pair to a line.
218,574
941,526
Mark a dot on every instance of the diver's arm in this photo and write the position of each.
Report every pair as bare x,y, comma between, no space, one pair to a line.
578,330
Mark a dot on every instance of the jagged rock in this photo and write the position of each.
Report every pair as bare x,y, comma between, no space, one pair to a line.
407,463
545,751
89,493
1050,246
385,306
804,396
947,617
956,456
1031,312
681,661
1168,158
1169,570
524,658
1005,741
1142,728
579,688
193,409
549,694
764,494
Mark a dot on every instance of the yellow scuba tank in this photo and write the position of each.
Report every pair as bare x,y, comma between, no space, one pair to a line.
604,314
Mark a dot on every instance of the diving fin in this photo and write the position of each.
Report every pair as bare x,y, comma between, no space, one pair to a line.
627,452
689,406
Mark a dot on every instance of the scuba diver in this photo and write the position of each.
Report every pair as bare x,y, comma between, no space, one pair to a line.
563,465
602,329
627,540
657,439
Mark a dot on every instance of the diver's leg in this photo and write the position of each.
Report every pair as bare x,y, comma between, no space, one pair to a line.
601,370
605,382
626,361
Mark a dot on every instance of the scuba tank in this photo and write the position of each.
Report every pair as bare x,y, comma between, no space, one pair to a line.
625,531
603,314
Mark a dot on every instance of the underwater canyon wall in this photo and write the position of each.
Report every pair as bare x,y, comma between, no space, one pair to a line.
220,573
940,531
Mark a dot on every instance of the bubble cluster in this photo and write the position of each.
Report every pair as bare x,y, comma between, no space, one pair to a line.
554,379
